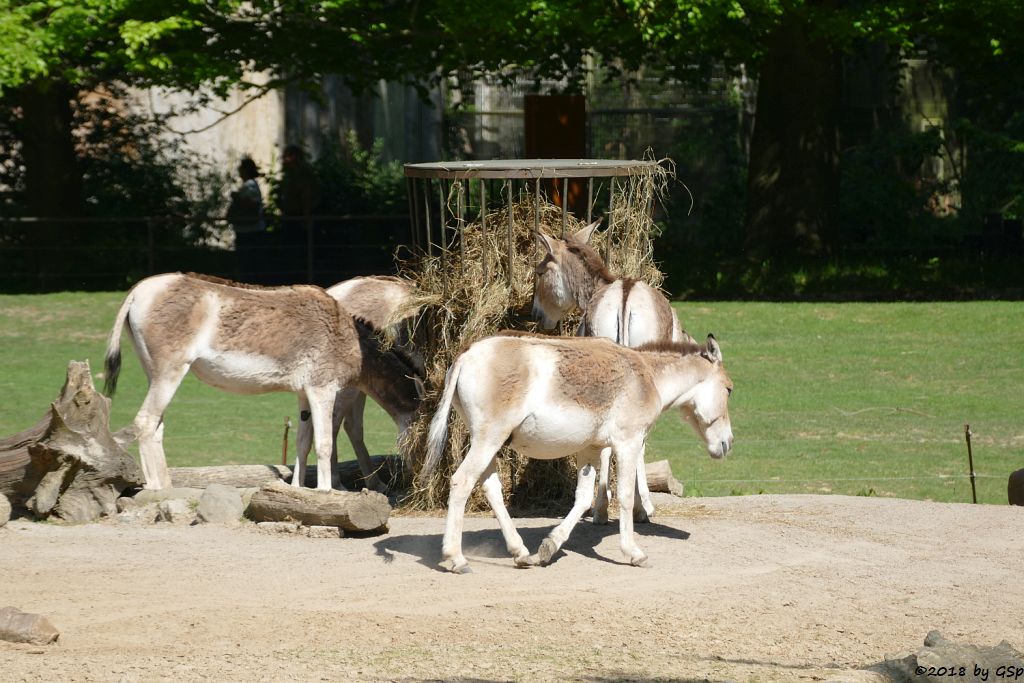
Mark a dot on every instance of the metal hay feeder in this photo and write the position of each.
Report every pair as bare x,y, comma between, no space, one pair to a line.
427,204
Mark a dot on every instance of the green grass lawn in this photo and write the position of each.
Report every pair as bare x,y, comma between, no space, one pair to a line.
830,398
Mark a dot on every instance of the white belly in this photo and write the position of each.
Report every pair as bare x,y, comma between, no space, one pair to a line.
241,373
555,434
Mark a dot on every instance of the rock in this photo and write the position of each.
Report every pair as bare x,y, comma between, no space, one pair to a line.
147,496
942,660
127,504
5,510
175,511
21,627
279,527
143,514
323,532
220,504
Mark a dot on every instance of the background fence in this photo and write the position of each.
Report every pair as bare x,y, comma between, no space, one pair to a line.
48,254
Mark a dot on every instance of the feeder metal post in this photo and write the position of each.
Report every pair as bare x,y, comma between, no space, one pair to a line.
510,221
426,216
536,204
483,223
443,228
611,223
590,200
460,225
565,203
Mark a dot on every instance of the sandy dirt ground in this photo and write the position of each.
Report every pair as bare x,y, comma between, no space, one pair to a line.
759,588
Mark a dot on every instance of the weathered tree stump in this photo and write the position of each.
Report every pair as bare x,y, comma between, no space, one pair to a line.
659,478
388,468
281,502
1015,488
68,465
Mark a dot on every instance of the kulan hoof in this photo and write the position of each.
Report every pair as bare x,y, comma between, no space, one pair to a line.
547,551
639,561
457,567
641,517
527,561
600,518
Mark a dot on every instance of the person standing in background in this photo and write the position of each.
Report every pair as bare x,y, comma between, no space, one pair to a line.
245,213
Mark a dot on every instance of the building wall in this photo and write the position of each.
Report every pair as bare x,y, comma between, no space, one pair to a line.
256,129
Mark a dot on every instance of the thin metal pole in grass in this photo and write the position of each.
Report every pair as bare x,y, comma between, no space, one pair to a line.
970,462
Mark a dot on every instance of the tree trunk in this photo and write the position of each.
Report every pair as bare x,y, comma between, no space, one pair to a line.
793,173
68,465
53,176
281,502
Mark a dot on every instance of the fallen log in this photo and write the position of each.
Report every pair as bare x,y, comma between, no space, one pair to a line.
68,465
388,468
351,511
659,478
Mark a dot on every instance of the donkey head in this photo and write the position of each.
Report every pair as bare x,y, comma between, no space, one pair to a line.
558,277
707,406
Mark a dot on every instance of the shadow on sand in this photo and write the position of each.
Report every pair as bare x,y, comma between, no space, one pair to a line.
489,543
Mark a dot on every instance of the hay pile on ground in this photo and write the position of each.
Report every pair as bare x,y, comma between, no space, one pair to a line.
460,306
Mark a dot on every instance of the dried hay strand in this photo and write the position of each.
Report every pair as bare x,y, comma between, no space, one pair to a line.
460,306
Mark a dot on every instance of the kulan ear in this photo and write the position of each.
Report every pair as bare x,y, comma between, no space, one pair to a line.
546,242
584,234
714,351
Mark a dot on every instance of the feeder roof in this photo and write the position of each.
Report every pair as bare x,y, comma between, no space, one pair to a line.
529,168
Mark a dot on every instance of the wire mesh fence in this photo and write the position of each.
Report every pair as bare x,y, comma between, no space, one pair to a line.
40,253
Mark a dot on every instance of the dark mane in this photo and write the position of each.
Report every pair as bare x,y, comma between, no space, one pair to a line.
680,348
213,279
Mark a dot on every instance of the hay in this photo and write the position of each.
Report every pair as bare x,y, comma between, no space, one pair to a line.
460,306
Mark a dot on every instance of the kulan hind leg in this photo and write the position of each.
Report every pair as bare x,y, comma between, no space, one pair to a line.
149,423
495,498
599,514
627,453
587,462
321,406
643,507
477,461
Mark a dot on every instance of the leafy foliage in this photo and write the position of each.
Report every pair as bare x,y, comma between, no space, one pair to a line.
354,180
